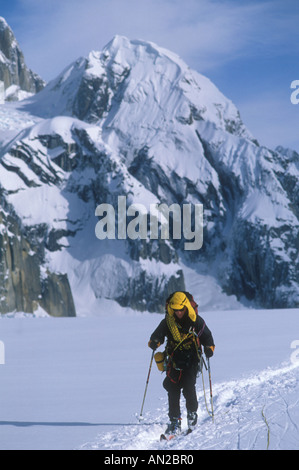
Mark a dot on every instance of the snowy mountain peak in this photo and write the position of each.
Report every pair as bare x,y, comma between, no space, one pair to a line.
120,48
8,42
3,23
19,80
133,119
130,74
117,42
169,75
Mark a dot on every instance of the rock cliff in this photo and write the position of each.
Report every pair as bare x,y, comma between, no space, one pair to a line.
15,74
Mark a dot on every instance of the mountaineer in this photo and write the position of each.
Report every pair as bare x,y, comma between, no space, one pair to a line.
186,333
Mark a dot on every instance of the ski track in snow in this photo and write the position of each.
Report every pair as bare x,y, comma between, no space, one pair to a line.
258,412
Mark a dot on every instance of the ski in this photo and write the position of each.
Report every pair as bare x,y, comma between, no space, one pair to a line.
169,437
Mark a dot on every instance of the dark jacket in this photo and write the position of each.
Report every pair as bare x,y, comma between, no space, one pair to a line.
200,329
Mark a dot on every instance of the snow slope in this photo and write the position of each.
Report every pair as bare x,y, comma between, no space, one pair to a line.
78,383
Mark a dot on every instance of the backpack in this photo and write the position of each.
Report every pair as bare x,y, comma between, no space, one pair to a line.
189,297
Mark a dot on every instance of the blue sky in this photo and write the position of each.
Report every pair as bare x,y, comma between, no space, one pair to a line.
248,48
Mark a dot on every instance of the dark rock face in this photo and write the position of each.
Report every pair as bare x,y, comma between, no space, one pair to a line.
29,282
13,69
56,298
23,287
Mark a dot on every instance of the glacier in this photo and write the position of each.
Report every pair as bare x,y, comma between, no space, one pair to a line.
78,384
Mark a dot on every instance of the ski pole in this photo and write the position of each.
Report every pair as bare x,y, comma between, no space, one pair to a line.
146,385
211,391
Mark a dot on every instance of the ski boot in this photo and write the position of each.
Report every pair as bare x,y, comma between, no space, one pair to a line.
192,420
173,429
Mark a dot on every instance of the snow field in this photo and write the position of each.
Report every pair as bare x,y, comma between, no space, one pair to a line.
78,383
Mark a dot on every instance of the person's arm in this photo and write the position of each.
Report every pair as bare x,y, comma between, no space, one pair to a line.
158,336
205,337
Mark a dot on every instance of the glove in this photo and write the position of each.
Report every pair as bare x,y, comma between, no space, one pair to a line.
153,344
209,351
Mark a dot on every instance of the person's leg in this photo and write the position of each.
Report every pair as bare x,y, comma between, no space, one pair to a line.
189,388
174,412
174,394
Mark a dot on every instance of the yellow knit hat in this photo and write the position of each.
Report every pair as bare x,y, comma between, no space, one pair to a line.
178,301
